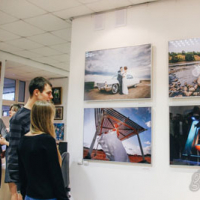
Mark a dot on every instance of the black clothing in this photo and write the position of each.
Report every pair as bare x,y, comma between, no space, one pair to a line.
19,126
39,169
119,78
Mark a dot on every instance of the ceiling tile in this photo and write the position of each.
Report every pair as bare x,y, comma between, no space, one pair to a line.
27,54
20,8
5,18
64,66
45,51
24,43
64,34
5,35
61,58
52,6
8,48
108,5
63,48
87,1
48,22
73,12
22,28
47,39
46,60
141,1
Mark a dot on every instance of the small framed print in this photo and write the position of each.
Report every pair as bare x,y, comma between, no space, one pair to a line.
57,95
59,129
58,113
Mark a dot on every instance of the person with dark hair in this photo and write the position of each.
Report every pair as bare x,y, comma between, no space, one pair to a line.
41,176
39,89
119,78
5,141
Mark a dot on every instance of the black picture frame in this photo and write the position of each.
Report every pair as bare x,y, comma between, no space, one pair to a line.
58,113
57,95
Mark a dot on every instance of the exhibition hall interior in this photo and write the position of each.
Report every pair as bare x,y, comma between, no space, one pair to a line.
125,80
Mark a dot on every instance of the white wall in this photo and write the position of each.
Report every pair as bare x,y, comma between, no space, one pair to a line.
63,83
154,23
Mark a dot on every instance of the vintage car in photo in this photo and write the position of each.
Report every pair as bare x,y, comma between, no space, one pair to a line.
112,85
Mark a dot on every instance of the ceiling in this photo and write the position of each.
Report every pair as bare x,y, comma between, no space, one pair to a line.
40,30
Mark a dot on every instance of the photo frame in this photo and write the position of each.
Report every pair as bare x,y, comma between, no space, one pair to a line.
59,130
57,95
58,113
118,134
184,68
123,73
184,134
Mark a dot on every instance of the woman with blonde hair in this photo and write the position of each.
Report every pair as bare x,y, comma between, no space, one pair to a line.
39,158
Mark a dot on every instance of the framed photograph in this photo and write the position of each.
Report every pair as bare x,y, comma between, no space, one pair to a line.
117,134
57,95
118,73
184,135
184,68
59,129
58,113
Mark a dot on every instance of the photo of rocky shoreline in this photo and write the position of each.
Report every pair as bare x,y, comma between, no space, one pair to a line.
184,68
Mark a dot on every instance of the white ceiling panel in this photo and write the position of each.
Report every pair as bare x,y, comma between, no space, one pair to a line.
108,5
72,12
8,48
24,43
45,51
47,39
5,35
47,60
63,48
22,28
61,58
141,1
64,66
52,6
20,8
27,54
48,22
87,1
64,34
5,18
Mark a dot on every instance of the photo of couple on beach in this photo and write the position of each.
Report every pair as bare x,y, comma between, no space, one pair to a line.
109,73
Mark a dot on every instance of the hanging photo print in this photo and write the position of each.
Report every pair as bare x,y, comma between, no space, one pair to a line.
184,68
119,73
117,134
184,135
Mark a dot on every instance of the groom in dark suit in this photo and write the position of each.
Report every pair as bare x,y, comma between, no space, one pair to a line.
119,78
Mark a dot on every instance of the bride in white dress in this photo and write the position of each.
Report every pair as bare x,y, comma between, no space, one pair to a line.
124,81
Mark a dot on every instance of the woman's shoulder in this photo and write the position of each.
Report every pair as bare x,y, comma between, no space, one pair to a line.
48,138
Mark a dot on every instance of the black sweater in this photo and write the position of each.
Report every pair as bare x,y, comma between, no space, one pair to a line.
39,169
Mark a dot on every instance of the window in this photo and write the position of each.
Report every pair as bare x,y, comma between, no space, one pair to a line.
13,91
5,110
9,89
21,95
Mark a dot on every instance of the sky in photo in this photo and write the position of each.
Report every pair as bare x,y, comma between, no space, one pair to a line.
188,45
107,62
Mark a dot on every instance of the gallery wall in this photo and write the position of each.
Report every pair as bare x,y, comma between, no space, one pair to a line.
155,23
56,82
